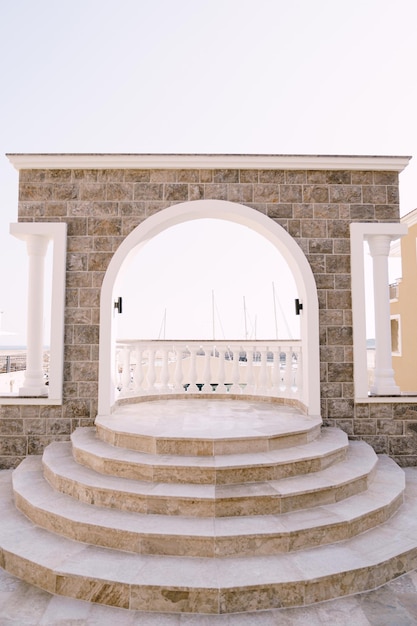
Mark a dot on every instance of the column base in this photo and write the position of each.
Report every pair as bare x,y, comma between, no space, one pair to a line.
385,388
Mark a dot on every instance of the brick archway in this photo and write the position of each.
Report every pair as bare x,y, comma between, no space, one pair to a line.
233,212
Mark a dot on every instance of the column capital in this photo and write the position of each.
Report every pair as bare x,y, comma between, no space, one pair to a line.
379,245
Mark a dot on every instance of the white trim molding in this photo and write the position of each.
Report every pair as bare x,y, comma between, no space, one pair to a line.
57,233
359,233
207,161
233,212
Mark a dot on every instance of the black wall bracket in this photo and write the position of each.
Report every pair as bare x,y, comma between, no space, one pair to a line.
298,306
118,305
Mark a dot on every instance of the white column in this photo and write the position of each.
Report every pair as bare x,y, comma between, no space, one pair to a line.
34,383
384,383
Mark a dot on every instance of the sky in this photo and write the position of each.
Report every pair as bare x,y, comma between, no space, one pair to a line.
200,76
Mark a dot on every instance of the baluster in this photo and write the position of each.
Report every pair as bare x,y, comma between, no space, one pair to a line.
276,374
250,376
164,371
263,376
119,369
235,370
138,374
151,377
178,377
207,369
288,371
298,373
126,369
282,367
221,388
193,374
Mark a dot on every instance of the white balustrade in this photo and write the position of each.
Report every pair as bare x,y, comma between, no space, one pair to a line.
264,368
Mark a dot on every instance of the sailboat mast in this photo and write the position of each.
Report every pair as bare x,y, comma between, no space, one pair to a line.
275,311
213,314
244,312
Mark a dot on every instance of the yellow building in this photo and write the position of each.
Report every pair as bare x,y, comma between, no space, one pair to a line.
403,303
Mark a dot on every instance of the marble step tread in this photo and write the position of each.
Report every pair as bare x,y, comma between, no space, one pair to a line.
206,427
89,450
331,484
208,537
199,585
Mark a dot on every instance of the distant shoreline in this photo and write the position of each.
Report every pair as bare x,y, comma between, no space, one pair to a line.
14,349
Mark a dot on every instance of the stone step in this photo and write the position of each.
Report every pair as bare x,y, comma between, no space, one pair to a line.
331,484
330,447
206,427
206,585
207,537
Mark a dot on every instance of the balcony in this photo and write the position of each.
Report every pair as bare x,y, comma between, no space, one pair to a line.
260,368
394,290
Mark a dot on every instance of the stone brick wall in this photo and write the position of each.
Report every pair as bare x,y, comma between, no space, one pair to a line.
101,207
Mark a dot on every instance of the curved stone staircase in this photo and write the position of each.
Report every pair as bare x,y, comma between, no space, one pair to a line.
207,506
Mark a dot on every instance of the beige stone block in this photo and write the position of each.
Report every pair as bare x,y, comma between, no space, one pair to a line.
320,246
316,229
393,195
339,177
215,191
76,226
337,229
316,177
271,176
266,193
85,175
176,192
188,507
192,474
315,193
291,193
250,176
117,191
148,191
99,261
32,573
226,176
295,177
35,191
110,175
13,445
252,545
92,191
98,227
387,212
240,192
102,592
248,505
174,600
295,502
279,210
362,178
125,440
260,597
201,547
375,194
345,193
137,176
196,191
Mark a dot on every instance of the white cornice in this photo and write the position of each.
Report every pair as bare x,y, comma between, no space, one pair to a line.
207,161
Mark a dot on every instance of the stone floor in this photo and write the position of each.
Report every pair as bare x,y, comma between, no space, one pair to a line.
394,604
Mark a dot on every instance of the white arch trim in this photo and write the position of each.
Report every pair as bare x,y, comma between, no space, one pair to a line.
232,212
